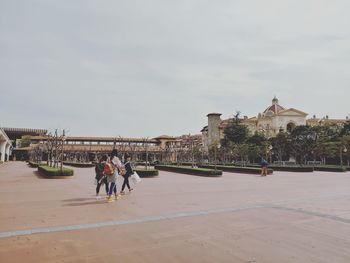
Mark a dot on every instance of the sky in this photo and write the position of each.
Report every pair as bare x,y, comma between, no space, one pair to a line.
146,68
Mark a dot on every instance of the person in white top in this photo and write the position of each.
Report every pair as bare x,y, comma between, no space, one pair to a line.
118,168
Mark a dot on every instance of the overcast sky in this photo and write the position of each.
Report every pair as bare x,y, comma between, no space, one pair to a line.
146,68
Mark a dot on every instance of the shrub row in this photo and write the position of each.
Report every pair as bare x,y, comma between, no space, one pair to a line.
330,168
233,169
53,172
33,164
82,165
189,170
301,169
147,173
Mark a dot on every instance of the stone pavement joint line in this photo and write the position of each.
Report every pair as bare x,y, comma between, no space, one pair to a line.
302,211
127,222
164,217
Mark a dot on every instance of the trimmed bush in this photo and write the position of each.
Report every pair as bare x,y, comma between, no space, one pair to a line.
55,172
146,173
189,170
331,168
81,165
235,169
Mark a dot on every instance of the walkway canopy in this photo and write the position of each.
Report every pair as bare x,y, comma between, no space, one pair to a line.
5,146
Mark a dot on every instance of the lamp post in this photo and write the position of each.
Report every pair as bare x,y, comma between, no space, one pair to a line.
216,147
270,153
342,149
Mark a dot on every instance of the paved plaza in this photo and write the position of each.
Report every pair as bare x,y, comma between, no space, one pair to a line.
285,217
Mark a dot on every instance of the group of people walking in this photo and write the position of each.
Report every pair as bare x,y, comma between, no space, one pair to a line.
107,170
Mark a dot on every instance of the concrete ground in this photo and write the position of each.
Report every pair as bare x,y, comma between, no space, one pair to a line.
285,217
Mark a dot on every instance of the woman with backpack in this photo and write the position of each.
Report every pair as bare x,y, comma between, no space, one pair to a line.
117,166
100,177
128,173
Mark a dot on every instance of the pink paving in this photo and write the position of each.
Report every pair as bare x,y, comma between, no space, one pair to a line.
285,217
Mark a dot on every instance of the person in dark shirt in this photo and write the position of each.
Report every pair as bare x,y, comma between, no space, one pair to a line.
128,173
264,167
100,177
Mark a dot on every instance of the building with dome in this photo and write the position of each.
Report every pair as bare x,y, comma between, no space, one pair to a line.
274,119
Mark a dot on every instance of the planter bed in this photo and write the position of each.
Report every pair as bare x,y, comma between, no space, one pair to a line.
189,170
331,168
143,173
33,164
235,169
299,169
55,172
81,165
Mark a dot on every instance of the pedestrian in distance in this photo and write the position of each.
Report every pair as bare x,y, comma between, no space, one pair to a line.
128,173
264,167
100,177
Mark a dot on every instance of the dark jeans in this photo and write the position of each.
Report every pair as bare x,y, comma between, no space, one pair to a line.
99,183
126,182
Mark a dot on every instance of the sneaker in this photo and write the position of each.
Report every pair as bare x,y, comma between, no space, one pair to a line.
117,197
122,193
110,199
130,189
98,197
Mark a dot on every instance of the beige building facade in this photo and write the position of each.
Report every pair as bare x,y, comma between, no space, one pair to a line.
274,119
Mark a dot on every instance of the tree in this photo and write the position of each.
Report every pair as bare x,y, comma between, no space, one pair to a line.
257,144
346,129
302,143
235,132
281,145
24,141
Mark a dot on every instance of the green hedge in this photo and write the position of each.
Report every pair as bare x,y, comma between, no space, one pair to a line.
82,165
331,168
54,172
189,170
33,164
300,169
233,169
146,173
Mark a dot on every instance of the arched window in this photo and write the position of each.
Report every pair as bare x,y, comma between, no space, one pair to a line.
290,127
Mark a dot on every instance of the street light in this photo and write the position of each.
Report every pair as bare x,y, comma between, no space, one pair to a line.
216,147
270,153
342,149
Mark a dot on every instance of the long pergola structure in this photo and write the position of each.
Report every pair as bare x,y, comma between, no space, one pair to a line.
5,146
79,148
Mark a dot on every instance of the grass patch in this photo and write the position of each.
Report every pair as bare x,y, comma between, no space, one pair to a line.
53,172
81,165
189,170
